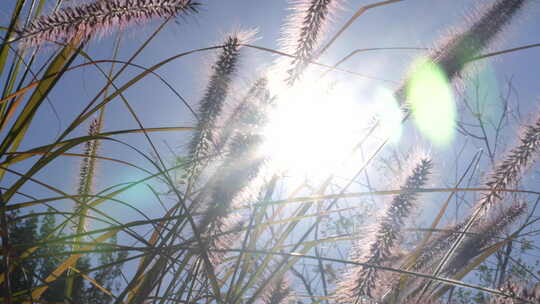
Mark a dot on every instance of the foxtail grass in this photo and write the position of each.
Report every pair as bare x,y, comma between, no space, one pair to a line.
192,255
361,281
100,17
453,54
204,141
250,114
227,188
303,31
235,180
508,172
483,236
88,163
476,242
85,190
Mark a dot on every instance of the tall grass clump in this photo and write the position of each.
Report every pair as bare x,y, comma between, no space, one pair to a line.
205,212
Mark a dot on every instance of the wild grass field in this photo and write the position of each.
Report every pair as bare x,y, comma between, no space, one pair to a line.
141,163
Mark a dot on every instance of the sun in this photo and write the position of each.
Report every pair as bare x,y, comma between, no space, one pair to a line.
315,126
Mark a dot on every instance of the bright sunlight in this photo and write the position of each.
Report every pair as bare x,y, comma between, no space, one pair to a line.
315,126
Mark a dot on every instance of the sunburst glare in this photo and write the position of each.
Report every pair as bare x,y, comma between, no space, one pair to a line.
316,125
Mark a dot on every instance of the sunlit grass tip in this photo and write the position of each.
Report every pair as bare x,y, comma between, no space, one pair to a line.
88,163
361,281
205,139
453,53
509,170
477,240
483,236
302,33
100,17
234,182
249,114
485,25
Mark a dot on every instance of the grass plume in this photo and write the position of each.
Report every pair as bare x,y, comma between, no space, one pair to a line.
204,141
361,281
88,164
100,17
250,113
509,170
226,189
483,236
453,54
221,235
302,32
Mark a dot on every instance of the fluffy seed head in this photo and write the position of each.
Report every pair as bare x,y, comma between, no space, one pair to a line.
232,177
302,32
90,150
453,54
100,17
427,259
226,189
436,247
509,171
483,236
203,142
222,234
236,179
87,172
456,52
361,281
250,114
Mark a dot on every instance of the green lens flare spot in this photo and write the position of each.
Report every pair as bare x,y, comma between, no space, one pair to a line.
432,104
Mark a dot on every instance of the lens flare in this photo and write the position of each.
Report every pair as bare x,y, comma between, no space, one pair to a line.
430,97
